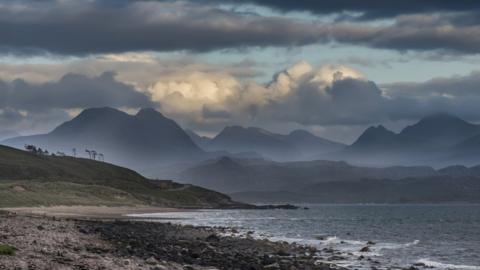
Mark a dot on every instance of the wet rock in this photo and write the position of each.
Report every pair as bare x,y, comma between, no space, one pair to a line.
321,237
365,249
336,258
272,266
212,238
410,268
151,261
282,252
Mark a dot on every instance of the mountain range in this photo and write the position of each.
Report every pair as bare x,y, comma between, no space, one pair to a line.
246,161
231,175
438,140
297,145
148,140
262,181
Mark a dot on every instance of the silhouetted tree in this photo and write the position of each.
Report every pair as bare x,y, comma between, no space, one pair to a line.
94,154
89,153
100,157
31,148
34,150
74,152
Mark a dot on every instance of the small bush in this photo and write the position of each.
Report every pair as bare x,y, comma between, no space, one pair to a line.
7,250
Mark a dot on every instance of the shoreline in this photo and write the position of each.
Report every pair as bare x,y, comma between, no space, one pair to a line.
52,238
91,212
108,238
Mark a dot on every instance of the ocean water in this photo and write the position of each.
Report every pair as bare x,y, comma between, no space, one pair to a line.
439,236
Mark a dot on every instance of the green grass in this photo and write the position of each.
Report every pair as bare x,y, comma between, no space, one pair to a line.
45,193
31,180
7,250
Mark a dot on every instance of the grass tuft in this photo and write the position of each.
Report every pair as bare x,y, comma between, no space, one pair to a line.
7,250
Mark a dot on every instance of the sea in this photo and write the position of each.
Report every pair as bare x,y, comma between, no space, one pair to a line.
431,236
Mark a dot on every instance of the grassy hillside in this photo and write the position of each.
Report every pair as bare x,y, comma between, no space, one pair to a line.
28,180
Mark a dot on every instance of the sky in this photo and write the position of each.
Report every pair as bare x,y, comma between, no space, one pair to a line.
331,67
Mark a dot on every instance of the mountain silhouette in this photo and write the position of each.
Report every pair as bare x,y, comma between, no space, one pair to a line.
237,175
147,137
440,129
436,139
297,145
374,137
201,141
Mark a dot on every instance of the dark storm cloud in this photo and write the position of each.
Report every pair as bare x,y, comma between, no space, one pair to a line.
369,9
455,86
76,28
94,27
71,91
421,33
459,95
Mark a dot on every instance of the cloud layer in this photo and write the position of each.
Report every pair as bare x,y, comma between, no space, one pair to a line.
27,107
81,27
71,91
207,98
329,95
97,27
368,9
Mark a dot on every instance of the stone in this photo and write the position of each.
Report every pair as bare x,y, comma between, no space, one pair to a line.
365,249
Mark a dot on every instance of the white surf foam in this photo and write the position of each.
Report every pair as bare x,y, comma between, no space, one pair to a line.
440,265
397,245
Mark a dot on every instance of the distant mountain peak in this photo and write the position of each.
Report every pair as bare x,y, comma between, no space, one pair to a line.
378,130
374,135
99,111
259,130
148,112
124,138
442,127
232,129
442,118
227,163
300,132
244,130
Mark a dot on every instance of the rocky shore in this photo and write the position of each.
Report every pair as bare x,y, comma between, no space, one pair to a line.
76,243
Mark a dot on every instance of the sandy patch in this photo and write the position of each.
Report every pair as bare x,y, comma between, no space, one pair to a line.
90,211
